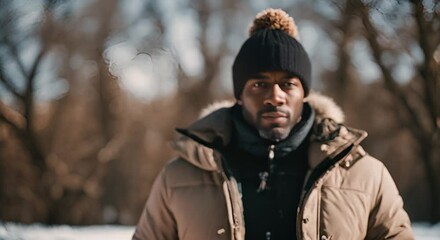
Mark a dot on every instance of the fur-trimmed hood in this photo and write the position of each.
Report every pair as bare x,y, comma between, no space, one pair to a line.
329,137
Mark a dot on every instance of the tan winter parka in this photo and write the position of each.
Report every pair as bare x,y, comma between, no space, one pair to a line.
347,193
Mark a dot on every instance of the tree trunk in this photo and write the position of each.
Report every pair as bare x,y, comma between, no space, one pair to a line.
428,153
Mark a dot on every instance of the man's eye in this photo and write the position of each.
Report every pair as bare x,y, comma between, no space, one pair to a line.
260,84
289,84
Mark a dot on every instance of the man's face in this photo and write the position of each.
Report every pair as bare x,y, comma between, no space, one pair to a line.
272,102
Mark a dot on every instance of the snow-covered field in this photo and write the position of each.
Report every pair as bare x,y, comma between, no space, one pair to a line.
9,231
13,231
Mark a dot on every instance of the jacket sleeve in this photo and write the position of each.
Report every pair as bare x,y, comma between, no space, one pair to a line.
388,219
157,221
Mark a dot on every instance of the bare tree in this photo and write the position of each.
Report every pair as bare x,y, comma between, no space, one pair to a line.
22,119
63,185
421,109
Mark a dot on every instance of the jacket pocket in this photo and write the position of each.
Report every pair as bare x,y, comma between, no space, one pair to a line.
343,213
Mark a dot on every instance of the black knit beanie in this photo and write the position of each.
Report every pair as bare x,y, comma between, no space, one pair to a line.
272,46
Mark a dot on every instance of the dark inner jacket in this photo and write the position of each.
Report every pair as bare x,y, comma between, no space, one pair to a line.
269,213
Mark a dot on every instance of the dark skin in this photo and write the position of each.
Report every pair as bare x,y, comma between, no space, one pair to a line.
272,102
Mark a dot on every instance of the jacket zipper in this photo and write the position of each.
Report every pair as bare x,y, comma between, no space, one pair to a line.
264,176
224,171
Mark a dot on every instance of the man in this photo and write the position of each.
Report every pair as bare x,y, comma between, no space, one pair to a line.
279,164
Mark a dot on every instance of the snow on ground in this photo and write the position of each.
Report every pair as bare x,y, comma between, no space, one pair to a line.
424,231
10,231
14,231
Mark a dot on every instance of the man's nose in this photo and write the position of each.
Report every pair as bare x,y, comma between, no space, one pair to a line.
275,96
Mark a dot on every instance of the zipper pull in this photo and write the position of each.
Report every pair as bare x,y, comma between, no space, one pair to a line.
263,181
268,236
271,157
264,176
271,152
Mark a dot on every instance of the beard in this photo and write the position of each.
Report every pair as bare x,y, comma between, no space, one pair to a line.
274,133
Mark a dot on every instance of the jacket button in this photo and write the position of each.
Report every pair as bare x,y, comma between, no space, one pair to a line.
347,164
305,220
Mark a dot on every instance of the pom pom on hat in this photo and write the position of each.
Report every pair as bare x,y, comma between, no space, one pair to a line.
274,19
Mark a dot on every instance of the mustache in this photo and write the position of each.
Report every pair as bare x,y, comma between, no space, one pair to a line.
270,109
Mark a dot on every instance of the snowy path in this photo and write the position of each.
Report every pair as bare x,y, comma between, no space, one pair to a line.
11,231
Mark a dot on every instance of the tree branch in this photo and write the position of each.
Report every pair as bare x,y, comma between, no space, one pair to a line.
12,118
14,52
428,67
9,85
210,60
390,83
29,92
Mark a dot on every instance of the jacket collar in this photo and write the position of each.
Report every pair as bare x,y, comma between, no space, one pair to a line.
329,134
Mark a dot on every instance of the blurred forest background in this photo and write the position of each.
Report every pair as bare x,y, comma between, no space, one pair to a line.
91,91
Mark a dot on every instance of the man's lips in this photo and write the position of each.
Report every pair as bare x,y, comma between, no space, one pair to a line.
274,115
